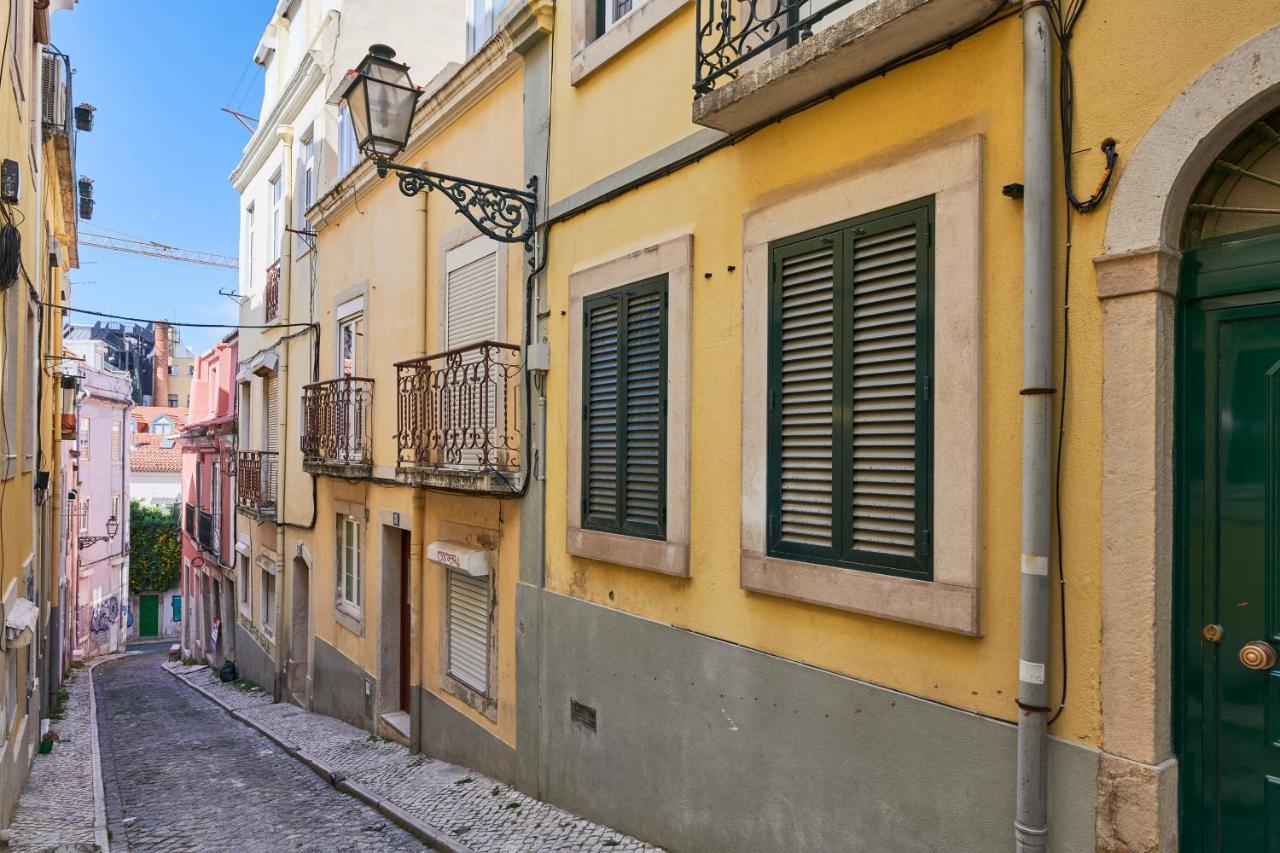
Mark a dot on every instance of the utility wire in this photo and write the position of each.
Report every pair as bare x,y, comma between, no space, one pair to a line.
175,322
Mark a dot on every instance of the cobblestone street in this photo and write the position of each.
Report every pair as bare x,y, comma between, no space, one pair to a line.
182,775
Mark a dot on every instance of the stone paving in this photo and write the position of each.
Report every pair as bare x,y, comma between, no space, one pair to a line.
182,775
476,812
56,808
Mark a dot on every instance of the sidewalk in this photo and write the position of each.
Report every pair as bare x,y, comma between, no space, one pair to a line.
58,806
450,807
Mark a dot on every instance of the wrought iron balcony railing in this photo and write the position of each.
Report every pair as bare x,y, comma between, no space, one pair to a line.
732,32
207,531
335,423
271,298
256,472
458,415
189,520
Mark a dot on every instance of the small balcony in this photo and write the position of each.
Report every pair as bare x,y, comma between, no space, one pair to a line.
336,436
207,532
755,61
271,296
459,417
189,520
256,472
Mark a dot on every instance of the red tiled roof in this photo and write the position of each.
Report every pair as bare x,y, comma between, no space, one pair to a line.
150,455
147,414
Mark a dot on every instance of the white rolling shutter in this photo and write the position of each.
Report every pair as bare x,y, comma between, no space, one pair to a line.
469,605
471,317
805,396
271,399
883,361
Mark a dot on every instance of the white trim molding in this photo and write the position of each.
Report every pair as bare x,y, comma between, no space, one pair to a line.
674,259
590,52
952,174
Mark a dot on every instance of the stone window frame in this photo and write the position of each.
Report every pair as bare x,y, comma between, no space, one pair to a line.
485,539
951,172
590,51
268,612
346,614
669,555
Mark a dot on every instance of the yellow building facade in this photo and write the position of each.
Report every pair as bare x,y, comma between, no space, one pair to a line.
38,217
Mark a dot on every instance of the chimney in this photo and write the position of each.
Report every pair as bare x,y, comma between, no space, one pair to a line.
160,366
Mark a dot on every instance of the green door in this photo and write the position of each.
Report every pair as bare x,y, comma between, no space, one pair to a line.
148,615
1229,551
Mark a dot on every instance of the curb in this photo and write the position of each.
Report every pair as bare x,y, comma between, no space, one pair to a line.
426,832
100,834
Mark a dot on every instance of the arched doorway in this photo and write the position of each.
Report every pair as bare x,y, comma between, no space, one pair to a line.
1138,279
1227,553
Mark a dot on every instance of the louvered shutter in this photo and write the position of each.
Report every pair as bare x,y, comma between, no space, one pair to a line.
624,409
600,427
882,309
469,630
803,393
850,419
471,317
271,396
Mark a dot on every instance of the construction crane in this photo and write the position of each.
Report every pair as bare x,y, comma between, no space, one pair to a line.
157,250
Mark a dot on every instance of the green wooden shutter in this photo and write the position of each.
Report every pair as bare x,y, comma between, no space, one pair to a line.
888,268
849,412
624,409
804,392
600,377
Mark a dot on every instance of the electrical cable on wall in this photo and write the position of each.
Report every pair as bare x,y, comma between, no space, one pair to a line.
1064,24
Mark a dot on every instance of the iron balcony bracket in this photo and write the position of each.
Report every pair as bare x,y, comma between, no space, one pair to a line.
86,541
503,213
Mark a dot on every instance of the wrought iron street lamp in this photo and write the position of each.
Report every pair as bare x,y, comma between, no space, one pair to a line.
113,527
380,100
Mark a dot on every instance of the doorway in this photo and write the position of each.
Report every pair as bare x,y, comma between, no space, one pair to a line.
395,673
300,633
148,615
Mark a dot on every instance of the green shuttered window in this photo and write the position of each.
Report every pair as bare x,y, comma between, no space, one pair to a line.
850,417
624,410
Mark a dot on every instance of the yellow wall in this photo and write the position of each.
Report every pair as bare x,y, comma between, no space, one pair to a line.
1124,79
392,244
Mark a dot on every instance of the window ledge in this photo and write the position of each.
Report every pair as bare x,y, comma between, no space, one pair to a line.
486,705
349,617
841,55
655,555
596,53
947,607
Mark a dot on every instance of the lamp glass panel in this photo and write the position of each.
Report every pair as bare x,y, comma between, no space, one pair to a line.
358,109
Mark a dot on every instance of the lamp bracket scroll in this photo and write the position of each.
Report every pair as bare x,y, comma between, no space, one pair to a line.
503,213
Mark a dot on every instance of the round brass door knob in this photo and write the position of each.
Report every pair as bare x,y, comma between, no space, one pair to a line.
1258,655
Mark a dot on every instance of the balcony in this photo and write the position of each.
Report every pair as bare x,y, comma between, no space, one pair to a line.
256,472
458,417
756,61
189,520
207,532
271,296
336,438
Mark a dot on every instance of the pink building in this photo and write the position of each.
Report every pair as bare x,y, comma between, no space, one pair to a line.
208,507
96,528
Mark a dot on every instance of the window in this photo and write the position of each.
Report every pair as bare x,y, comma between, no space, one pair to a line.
248,245
245,411
270,413
173,370
307,176
83,441
609,12
482,16
469,606
84,515
850,332
115,506
191,370
346,142
116,444
277,216
624,376
246,584
173,402
349,561
31,352
268,612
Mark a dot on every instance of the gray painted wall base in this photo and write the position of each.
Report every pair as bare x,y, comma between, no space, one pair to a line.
702,745
253,662
451,737
338,687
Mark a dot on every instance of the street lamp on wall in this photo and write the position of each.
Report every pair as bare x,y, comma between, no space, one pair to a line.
380,100
113,527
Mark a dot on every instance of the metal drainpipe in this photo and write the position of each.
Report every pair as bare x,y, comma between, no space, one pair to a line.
1031,824
283,615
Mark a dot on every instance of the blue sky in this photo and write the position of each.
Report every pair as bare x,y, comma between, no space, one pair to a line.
161,150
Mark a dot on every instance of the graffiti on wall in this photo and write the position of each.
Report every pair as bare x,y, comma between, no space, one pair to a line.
105,614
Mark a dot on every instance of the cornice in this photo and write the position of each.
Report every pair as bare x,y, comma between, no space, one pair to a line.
304,81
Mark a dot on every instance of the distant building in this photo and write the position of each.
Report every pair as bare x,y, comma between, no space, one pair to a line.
155,467
160,366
